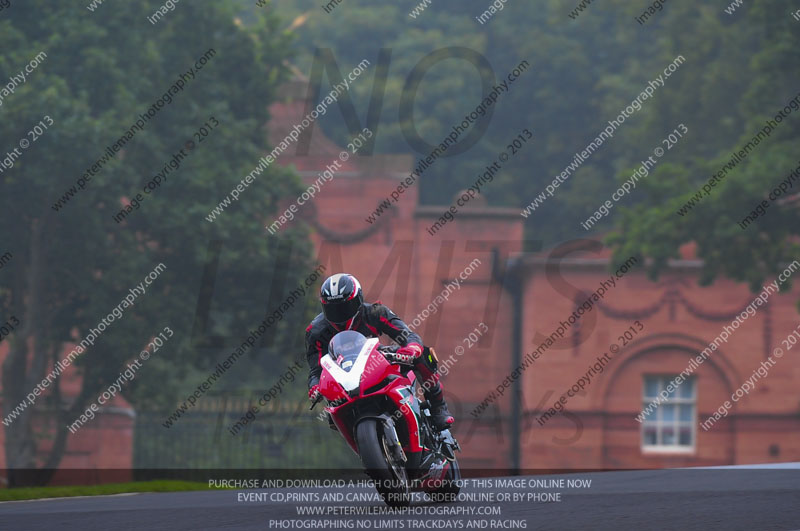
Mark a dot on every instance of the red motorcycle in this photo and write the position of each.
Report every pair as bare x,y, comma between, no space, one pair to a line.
372,401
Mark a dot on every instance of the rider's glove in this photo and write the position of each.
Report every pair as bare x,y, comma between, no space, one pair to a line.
313,393
409,353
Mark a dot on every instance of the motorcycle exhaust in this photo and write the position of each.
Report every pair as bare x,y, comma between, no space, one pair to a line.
435,476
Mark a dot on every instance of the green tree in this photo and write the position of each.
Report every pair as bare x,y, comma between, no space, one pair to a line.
71,267
740,71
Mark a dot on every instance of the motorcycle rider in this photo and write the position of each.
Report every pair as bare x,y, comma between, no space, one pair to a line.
343,308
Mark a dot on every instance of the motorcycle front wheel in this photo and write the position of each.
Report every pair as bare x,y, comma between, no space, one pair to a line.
391,479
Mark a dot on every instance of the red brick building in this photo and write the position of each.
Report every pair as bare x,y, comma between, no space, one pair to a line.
401,263
679,320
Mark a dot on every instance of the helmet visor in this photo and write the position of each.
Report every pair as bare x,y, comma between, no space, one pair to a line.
339,312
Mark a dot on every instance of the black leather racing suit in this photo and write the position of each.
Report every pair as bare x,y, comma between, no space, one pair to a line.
372,321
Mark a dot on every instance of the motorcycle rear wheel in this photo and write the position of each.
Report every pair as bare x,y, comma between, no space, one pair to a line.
391,479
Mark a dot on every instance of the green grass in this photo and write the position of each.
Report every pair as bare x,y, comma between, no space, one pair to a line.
32,493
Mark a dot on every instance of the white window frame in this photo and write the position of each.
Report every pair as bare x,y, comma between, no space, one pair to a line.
660,424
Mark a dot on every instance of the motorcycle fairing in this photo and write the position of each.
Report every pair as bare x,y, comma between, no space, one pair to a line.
372,367
350,380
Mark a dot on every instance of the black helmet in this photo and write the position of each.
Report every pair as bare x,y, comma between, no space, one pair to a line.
341,299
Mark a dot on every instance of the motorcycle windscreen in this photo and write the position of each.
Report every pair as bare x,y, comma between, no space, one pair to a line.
345,347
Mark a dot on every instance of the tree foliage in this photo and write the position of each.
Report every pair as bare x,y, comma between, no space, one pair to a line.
739,70
71,267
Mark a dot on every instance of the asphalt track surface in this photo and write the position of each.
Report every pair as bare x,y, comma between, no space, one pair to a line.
657,499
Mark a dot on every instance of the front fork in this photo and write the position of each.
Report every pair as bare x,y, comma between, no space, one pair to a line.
390,437
393,441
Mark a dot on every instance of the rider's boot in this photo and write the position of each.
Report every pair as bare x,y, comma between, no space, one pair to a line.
442,419
425,369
